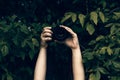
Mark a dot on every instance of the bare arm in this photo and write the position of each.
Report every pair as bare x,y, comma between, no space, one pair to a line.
40,68
73,43
78,70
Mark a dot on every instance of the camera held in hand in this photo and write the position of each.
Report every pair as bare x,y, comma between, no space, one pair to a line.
60,33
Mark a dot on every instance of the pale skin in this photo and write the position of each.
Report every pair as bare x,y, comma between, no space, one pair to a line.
72,42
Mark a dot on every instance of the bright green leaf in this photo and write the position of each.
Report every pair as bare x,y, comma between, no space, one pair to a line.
117,14
103,50
95,76
102,17
113,29
66,17
74,17
92,77
90,28
4,50
81,19
109,25
109,50
100,38
98,75
94,17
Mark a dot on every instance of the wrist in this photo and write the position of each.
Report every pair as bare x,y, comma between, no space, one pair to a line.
75,48
43,45
43,49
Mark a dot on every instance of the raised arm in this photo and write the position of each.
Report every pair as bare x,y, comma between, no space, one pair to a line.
78,70
40,68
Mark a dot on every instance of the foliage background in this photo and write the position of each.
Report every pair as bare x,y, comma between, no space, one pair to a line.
97,23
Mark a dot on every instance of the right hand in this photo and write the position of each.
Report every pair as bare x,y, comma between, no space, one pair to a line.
46,36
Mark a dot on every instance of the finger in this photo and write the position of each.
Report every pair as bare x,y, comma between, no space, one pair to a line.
46,28
47,35
47,31
69,30
47,39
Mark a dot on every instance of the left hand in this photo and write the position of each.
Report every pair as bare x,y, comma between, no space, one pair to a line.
71,42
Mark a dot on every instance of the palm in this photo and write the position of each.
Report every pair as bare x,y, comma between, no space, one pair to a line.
72,42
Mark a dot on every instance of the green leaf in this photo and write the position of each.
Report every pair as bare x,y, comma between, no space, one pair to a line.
95,76
115,78
90,28
35,42
4,50
24,43
103,70
92,42
13,17
116,64
3,23
103,50
74,17
117,51
81,19
102,17
30,45
109,25
88,55
9,77
31,54
92,77
94,17
100,38
103,2
16,40
117,14
5,28
24,29
113,29
109,50
98,75
66,17
69,15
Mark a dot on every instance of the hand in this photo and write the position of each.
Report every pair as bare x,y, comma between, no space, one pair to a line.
71,42
46,36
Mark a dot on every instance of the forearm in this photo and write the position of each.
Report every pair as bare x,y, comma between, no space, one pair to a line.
40,68
78,70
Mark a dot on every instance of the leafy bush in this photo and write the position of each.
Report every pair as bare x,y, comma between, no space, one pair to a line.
96,23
